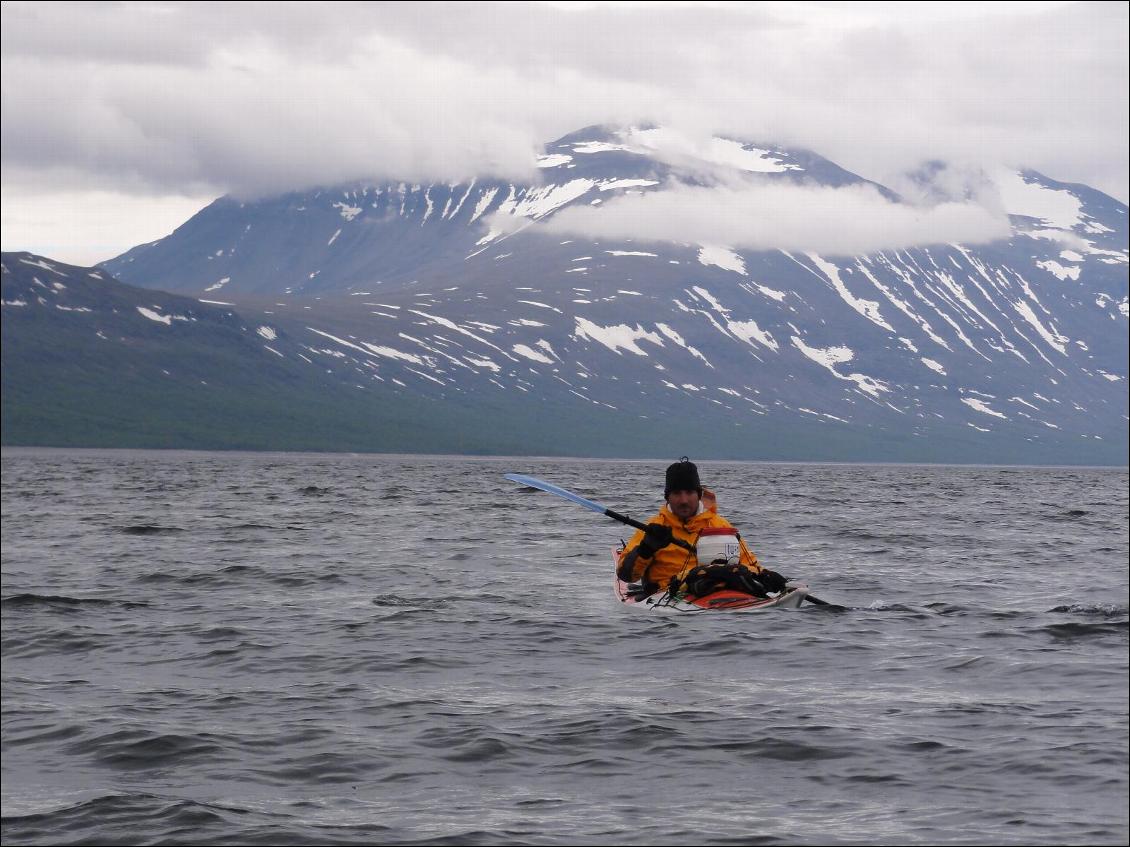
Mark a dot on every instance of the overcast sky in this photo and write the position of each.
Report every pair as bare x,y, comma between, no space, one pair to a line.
119,121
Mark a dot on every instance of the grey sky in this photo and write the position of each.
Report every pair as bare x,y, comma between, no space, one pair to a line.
119,120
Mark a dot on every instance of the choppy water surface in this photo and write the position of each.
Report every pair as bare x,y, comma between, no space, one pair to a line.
279,649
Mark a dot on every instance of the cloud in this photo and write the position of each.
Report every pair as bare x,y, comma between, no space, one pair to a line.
255,121
851,220
251,99
196,98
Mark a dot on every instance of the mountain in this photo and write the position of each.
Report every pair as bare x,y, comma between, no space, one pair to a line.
89,361
459,322
323,242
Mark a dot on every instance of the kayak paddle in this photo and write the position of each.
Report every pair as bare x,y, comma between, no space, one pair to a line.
541,484
533,482
592,505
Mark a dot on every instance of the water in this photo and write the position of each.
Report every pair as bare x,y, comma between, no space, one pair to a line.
283,649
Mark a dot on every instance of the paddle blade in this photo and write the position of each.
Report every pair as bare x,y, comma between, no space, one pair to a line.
549,487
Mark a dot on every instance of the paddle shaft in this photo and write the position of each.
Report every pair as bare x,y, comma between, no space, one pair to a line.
820,602
591,505
624,519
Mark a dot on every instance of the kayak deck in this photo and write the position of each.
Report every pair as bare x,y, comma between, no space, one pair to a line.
791,598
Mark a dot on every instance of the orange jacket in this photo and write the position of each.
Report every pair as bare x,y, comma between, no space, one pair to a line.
673,560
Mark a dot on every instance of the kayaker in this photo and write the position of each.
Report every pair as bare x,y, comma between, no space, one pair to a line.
663,557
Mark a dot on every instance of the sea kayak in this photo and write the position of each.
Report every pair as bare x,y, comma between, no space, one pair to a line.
790,598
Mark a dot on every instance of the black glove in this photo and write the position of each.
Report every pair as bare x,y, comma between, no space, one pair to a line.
772,580
641,590
656,537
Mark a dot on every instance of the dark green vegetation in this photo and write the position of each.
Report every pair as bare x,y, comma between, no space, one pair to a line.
82,367
111,377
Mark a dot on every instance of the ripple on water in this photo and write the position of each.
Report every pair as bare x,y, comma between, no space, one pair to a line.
281,650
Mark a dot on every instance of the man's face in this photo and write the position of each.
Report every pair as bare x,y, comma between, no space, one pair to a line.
683,504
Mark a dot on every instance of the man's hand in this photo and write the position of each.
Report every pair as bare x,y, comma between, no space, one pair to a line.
656,537
772,580
641,590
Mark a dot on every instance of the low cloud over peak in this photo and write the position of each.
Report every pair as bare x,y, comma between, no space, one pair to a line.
848,220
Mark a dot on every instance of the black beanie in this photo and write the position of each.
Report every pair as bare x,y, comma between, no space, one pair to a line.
682,476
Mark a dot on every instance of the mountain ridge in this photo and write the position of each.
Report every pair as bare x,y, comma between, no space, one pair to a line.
1015,348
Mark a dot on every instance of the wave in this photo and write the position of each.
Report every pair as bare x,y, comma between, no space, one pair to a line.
780,749
1103,610
52,643
193,579
328,767
396,601
149,529
1079,630
61,602
138,749
115,818
245,570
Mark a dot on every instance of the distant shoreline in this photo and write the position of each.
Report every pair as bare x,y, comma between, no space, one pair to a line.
7,450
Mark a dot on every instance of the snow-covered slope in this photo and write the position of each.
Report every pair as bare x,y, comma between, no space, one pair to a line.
1015,349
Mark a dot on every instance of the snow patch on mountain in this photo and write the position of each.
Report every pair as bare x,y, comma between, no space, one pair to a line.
615,338
771,293
1061,271
678,339
483,363
982,407
531,354
868,308
722,257
627,183
747,331
1021,196
167,320
538,202
484,203
347,211
392,353
667,144
603,147
42,263
829,357
1059,342
542,305
548,348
